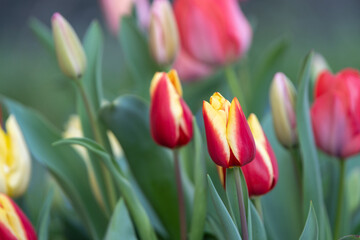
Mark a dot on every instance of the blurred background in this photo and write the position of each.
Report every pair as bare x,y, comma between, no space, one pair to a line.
29,74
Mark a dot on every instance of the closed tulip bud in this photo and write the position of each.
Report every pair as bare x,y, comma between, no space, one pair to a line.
170,117
163,34
319,64
69,51
14,225
229,139
15,160
114,10
261,174
335,113
282,101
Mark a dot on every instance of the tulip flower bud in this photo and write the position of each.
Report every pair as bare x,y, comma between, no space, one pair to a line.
282,101
319,64
15,160
170,117
14,225
229,139
335,113
261,174
163,33
69,51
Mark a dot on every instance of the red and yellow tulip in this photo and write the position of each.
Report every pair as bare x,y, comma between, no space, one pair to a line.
170,117
14,225
229,139
261,174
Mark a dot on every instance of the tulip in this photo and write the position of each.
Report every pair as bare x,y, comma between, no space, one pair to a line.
15,160
212,32
229,139
170,117
69,51
335,113
261,174
163,33
282,101
114,10
318,65
14,225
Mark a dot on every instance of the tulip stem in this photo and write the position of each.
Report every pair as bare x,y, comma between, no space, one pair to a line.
297,169
258,206
235,87
340,199
182,212
240,196
98,138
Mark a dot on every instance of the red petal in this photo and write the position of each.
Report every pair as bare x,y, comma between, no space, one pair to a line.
239,136
324,83
215,129
6,233
186,125
29,230
163,122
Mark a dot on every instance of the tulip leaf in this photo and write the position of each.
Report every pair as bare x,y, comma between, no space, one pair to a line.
137,54
120,226
199,203
281,206
312,186
228,226
258,228
44,218
311,231
350,237
43,34
137,211
64,164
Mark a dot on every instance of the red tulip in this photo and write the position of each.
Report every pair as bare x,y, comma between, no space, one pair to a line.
261,174
229,139
335,113
14,225
170,117
211,31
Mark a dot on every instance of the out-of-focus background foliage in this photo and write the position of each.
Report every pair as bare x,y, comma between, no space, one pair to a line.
29,74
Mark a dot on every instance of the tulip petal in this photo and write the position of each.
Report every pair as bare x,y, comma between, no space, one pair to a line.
330,125
215,128
165,113
26,224
239,136
5,233
324,83
186,125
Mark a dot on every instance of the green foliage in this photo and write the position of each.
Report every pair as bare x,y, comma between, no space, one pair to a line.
44,219
311,229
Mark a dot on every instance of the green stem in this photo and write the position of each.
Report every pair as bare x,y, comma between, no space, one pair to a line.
235,87
182,216
340,199
240,196
97,136
258,206
295,154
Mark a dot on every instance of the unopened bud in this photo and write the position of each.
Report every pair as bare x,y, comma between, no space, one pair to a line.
69,51
163,32
282,100
319,64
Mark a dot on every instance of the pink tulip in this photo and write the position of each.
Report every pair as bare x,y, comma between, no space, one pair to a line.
335,113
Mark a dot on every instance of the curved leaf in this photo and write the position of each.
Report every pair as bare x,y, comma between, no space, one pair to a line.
311,231
44,218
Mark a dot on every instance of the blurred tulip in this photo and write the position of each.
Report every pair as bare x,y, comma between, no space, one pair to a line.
69,51
229,139
14,225
222,175
15,160
163,33
73,129
335,113
282,101
318,65
212,32
114,10
261,174
170,117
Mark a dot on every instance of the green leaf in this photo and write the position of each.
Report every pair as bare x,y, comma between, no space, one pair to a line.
350,237
63,163
258,228
120,226
152,166
312,186
199,204
282,215
228,226
43,34
137,211
137,55
311,231
44,218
